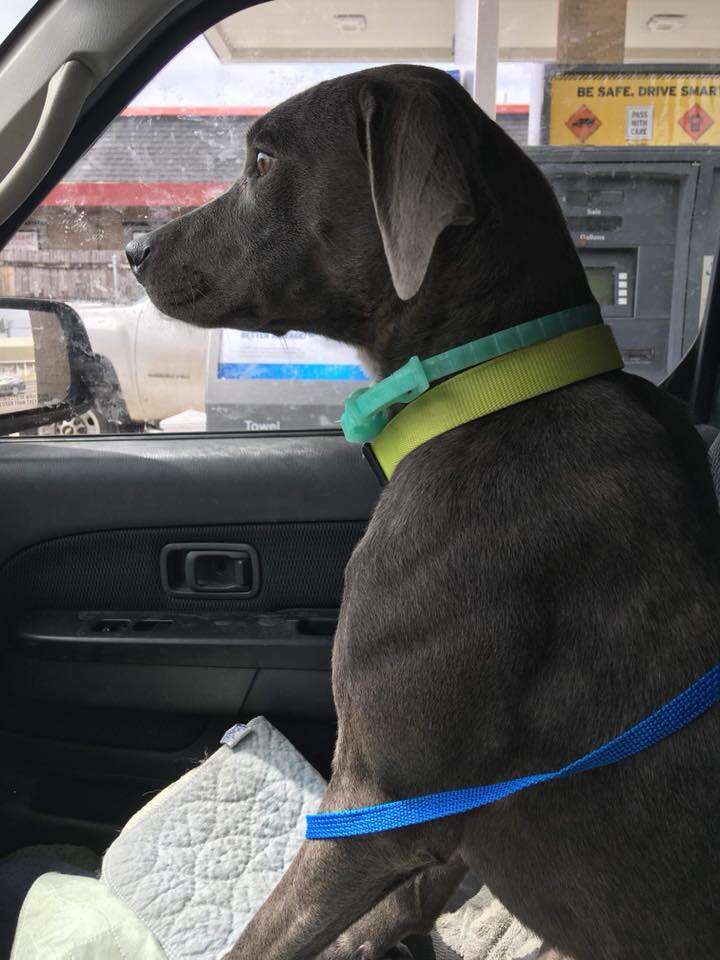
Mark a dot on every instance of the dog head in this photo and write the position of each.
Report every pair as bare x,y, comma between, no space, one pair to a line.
368,206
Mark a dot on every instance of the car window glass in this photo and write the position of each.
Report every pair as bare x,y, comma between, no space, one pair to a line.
11,13
620,106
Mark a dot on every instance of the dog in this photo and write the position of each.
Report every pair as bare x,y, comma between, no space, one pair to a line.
531,583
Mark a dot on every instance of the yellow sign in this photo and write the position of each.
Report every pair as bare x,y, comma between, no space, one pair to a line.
632,109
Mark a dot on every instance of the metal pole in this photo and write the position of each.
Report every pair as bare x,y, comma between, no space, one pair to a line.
476,49
115,277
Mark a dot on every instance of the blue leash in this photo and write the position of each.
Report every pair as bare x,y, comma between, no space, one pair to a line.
673,716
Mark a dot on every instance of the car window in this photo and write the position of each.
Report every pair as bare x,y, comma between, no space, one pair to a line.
11,13
620,107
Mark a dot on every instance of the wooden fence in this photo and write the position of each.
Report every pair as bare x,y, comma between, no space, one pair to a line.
103,275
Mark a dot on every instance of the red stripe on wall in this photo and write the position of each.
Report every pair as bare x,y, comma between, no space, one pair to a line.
163,194
169,193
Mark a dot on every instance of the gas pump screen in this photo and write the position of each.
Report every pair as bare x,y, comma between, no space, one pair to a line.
602,284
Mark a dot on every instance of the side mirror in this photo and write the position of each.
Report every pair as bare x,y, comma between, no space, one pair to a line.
47,366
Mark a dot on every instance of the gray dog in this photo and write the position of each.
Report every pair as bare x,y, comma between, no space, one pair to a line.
531,583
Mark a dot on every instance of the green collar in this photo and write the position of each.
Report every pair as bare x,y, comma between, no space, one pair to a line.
484,376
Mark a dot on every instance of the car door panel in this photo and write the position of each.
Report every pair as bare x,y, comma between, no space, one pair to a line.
96,719
99,483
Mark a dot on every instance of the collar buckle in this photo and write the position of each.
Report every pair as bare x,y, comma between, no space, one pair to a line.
365,414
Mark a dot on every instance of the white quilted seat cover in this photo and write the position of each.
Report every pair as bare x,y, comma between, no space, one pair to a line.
196,864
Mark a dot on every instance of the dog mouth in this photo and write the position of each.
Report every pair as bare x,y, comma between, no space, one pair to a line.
180,302
191,303
245,317
185,299
194,286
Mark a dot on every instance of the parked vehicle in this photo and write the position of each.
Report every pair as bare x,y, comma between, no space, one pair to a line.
160,364
11,386
170,371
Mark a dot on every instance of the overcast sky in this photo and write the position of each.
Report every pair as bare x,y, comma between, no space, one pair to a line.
197,78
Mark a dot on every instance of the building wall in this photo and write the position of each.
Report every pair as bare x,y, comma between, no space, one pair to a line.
87,228
71,248
83,228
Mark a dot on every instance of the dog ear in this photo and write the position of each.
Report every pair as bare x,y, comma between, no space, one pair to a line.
418,183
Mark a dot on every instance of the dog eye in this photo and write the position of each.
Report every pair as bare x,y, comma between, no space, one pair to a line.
263,163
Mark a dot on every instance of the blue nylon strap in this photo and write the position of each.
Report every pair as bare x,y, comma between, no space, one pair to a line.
673,716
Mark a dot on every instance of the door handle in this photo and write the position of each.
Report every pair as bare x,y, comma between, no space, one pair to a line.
226,570
210,570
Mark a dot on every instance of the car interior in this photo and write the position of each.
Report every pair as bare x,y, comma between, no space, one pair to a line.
159,587
127,677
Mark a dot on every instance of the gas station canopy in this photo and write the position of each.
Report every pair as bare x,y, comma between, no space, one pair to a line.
678,31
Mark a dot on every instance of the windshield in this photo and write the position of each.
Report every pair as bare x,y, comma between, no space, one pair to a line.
11,13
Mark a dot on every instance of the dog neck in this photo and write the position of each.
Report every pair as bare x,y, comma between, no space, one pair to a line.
515,262
481,280
431,324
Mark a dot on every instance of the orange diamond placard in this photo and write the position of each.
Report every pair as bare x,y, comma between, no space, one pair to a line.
696,121
583,123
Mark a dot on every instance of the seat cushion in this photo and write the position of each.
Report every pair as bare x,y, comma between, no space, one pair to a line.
67,917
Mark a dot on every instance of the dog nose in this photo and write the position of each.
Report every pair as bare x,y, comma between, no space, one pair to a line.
137,252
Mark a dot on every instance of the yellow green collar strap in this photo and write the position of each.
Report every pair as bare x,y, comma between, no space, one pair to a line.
491,386
366,410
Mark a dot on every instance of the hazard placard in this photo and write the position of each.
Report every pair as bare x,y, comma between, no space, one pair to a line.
696,121
619,109
583,123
